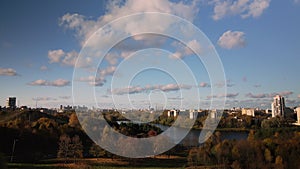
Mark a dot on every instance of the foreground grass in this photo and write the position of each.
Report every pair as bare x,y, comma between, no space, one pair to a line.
33,166
43,166
104,163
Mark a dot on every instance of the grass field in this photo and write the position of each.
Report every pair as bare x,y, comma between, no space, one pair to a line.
160,162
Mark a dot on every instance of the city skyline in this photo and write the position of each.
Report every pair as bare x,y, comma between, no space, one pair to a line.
257,43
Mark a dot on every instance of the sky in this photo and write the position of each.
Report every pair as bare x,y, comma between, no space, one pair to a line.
44,57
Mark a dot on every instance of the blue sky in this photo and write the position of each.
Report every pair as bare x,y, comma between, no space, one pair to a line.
257,42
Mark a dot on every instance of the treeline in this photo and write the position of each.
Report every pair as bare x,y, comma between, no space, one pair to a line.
279,150
32,136
39,136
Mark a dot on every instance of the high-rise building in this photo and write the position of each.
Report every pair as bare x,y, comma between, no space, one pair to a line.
278,106
11,102
298,115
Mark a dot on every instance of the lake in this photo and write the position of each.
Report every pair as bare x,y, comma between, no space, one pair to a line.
192,138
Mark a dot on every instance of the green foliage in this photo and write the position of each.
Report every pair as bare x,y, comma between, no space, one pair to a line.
140,130
275,122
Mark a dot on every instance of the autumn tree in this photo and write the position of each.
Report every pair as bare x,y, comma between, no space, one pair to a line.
268,155
279,163
236,165
193,157
70,147
97,151
73,120
64,147
76,148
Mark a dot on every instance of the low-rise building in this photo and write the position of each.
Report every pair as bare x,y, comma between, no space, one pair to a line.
248,112
216,113
193,114
173,113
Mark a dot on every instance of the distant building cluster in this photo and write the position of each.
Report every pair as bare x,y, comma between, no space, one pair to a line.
278,109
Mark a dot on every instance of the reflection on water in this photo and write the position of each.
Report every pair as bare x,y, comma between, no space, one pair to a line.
192,138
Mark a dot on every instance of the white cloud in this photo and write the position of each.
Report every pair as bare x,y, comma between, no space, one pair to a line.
8,72
39,82
138,89
85,27
195,45
107,71
228,95
99,80
55,83
256,8
55,55
68,58
182,50
44,99
128,90
59,83
283,93
177,55
257,96
244,8
269,95
232,39
172,87
112,58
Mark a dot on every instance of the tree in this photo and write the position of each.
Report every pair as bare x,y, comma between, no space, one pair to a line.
76,147
268,155
279,162
70,147
73,120
235,165
193,157
64,147
97,151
